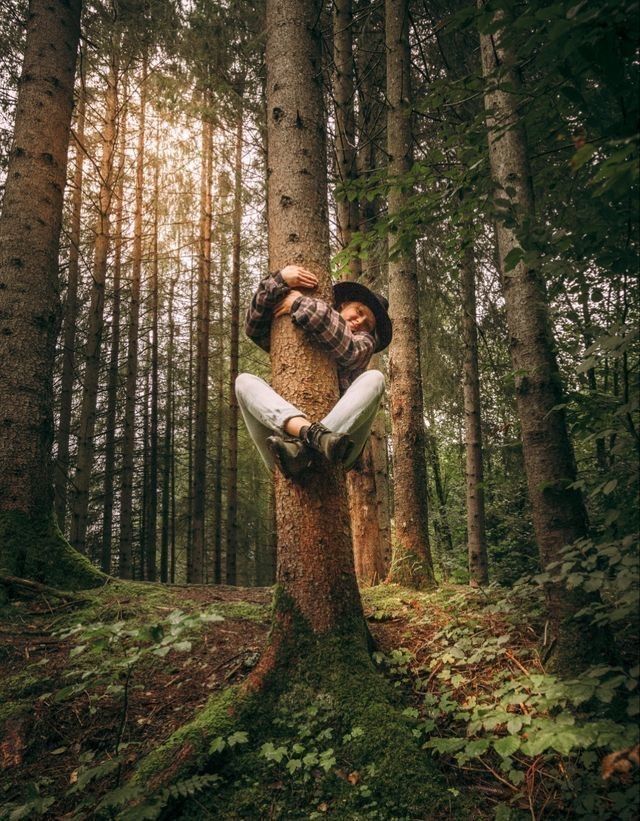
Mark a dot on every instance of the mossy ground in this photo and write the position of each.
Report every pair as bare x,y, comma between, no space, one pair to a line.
33,548
329,733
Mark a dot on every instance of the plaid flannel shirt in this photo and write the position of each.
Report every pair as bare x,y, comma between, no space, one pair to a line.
325,326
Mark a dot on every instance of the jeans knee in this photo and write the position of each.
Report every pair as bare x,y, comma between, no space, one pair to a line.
243,383
377,381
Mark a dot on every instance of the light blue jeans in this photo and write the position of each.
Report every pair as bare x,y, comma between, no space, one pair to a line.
265,412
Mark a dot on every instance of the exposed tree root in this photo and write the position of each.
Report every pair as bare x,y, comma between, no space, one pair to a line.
323,694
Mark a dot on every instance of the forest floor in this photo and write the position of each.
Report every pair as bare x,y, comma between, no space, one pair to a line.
90,684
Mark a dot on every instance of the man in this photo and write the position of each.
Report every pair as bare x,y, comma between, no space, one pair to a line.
350,333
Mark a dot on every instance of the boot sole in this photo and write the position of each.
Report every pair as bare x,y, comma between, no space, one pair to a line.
274,443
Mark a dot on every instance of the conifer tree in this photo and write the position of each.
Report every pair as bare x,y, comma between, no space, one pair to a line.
30,544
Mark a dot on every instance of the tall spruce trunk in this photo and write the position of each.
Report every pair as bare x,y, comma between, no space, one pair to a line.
61,475
93,346
315,575
474,476
367,495
343,92
444,542
113,377
30,223
412,563
129,433
197,566
152,513
232,448
559,515
219,460
167,445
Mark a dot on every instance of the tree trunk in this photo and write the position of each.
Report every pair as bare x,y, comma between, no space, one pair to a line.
128,444
315,572
167,446
152,512
365,497
219,460
113,378
444,542
476,531
30,544
202,361
232,449
559,516
61,476
84,461
345,148
412,563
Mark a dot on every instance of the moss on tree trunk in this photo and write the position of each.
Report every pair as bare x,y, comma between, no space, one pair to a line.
323,694
33,547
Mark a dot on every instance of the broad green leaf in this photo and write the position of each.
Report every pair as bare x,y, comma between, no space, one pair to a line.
507,746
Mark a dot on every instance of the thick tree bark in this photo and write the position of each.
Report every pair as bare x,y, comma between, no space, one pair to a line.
412,563
559,515
128,444
29,241
30,544
113,378
315,562
476,531
197,568
232,449
93,346
61,476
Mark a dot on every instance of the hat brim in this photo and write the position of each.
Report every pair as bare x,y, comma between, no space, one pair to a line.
356,292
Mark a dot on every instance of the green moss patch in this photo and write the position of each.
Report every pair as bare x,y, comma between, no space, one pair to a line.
33,548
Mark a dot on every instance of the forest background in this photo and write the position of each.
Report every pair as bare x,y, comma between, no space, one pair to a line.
508,453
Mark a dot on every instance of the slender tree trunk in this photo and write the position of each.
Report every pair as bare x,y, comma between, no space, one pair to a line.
84,463
202,361
412,562
345,148
476,531
363,492
219,460
167,447
315,573
152,513
114,354
144,498
189,528
559,516
232,466
61,476
442,528
30,223
172,562
128,445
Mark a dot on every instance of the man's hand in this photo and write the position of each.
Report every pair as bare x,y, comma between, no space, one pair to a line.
297,277
284,306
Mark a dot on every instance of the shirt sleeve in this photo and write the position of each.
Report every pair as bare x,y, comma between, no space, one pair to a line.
332,333
257,324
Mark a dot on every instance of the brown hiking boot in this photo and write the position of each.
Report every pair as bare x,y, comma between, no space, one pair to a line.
292,457
333,446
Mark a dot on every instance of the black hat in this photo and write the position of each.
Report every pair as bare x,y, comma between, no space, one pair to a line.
356,292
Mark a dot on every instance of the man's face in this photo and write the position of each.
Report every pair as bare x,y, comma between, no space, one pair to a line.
358,317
